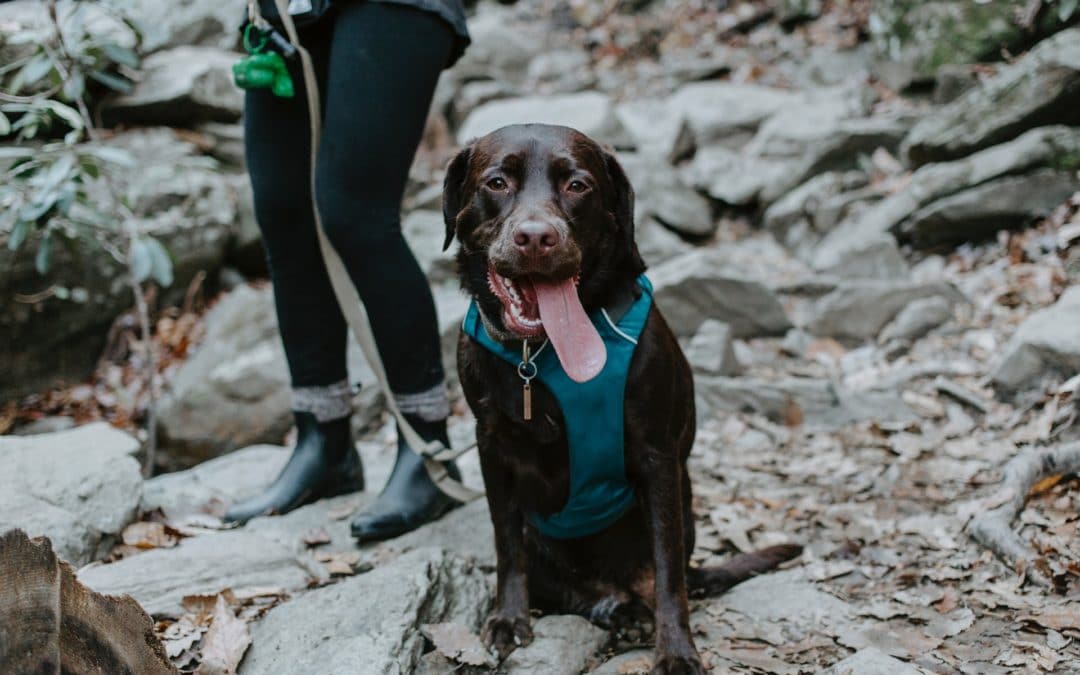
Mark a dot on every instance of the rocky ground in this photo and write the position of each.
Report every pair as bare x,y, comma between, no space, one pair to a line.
871,261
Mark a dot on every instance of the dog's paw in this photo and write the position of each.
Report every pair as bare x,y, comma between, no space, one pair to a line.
669,664
506,633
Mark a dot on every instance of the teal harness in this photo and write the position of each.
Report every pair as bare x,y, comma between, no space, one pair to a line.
593,413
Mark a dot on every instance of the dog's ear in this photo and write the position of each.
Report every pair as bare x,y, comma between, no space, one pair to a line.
454,191
623,201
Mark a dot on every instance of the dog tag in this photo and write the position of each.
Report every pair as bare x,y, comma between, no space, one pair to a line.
526,371
526,397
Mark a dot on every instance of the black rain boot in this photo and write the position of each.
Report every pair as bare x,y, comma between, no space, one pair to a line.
410,498
324,463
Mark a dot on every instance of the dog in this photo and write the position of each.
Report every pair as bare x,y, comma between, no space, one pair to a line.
544,217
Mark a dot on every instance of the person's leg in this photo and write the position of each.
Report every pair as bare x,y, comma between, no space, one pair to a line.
277,146
385,60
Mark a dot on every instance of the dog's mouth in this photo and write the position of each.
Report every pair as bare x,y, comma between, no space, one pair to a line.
533,307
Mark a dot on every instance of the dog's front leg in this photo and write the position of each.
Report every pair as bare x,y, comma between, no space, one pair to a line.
675,650
508,626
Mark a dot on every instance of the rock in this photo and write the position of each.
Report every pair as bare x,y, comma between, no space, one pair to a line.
870,661
860,309
818,404
692,288
425,232
655,129
370,623
876,257
204,564
226,142
790,12
77,487
214,483
633,662
1047,342
711,349
659,192
1047,146
46,425
804,201
501,48
785,597
562,645
590,112
180,86
657,243
732,177
560,71
1006,203
211,23
187,207
234,391
922,36
917,319
476,93
1039,89
466,532
719,111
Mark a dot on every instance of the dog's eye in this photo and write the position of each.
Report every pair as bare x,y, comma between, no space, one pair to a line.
497,184
576,186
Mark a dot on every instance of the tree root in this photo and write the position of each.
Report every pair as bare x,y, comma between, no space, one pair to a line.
993,529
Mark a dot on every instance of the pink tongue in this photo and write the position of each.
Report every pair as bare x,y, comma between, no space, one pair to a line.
579,347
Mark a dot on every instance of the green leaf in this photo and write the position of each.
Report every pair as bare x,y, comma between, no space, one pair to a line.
65,112
114,82
109,154
122,55
44,254
13,152
18,234
141,261
1067,8
161,262
33,211
5,125
34,70
75,86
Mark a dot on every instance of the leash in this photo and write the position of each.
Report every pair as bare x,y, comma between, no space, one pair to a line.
432,452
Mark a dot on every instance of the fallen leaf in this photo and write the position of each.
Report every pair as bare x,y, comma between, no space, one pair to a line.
344,509
793,414
150,535
1044,485
640,666
342,563
225,642
458,643
206,603
1057,618
316,537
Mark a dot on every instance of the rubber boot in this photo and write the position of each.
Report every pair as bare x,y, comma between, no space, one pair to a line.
324,463
410,498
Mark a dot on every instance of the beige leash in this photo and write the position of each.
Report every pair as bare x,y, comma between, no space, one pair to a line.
351,306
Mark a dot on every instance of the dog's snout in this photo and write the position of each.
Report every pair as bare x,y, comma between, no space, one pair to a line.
535,238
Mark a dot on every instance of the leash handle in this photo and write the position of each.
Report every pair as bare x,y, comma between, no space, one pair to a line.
433,452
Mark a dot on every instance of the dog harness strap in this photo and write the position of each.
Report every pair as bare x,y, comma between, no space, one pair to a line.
593,413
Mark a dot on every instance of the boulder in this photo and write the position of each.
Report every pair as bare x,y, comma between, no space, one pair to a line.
732,177
872,257
655,129
78,487
1039,89
235,391
696,286
712,350
181,86
720,111
1006,203
208,23
787,598
183,202
501,48
804,201
1047,342
918,319
589,112
204,564
871,661
659,192
1055,146
560,71
860,309
370,623
562,645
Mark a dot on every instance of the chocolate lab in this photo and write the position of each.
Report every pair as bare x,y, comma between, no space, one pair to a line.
590,500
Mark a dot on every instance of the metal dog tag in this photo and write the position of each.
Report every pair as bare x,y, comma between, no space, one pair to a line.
526,371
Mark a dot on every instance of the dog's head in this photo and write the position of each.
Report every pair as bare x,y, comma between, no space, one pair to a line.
539,209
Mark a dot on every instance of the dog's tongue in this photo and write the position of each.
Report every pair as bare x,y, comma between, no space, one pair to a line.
579,347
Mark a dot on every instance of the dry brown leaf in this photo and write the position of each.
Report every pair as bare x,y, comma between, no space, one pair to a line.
825,347
793,414
341,563
1044,485
344,509
150,535
640,666
205,603
1057,618
458,643
225,643
316,537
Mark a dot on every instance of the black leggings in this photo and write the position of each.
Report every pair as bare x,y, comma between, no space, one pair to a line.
377,65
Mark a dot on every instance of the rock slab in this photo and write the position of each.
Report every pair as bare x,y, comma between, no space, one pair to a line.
1047,342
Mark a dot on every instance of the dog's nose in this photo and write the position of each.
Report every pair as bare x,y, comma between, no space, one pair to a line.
535,238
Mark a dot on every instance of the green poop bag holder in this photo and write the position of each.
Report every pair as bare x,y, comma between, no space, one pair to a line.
264,67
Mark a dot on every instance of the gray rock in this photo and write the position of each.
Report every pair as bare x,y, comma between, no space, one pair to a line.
476,93
870,661
785,597
718,111
659,192
633,662
226,142
1047,342
425,231
370,623
694,287
77,487
562,645
465,532
804,201
212,23
655,129
657,243
234,391
1039,89
860,309
711,350
1046,146
732,177
46,425
501,48
560,71
1006,203
917,319
790,12
208,563
180,86
873,257
590,112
